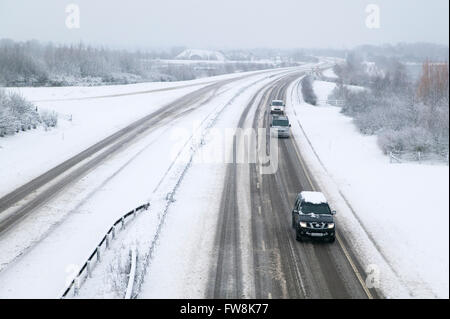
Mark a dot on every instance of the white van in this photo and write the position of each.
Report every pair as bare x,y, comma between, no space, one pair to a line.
277,107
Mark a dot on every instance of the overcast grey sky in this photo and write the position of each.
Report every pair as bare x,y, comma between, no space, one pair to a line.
226,23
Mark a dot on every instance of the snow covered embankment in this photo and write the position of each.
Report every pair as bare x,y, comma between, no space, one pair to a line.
394,215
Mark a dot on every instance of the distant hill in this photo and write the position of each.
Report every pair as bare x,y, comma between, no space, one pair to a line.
195,54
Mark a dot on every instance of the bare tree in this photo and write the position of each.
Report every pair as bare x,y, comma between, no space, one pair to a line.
307,91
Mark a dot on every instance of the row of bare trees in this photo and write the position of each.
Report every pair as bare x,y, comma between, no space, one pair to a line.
308,91
33,63
433,85
406,115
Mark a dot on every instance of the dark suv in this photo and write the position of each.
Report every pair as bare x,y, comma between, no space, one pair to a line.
312,217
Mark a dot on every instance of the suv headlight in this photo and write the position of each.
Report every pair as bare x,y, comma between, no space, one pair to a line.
303,224
330,225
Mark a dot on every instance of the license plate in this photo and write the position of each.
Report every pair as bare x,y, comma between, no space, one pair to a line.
316,234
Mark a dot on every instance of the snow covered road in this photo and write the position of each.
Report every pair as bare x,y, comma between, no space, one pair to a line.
190,257
87,205
214,228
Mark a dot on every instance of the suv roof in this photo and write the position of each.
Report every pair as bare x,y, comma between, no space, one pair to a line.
313,197
280,117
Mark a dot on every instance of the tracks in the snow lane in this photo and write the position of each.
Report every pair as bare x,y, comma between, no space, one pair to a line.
281,267
226,279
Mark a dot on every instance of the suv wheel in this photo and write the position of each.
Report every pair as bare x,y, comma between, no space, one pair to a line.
293,221
332,239
298,237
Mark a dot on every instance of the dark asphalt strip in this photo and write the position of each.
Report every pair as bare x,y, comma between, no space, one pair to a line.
285,275
325,275
226,279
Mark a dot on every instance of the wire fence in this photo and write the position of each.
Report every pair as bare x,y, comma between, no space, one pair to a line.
333,102
96,256
418,157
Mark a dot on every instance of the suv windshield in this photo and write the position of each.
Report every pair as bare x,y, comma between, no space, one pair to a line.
308,208
277,103
280,123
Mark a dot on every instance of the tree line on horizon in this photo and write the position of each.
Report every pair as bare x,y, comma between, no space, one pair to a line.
32,63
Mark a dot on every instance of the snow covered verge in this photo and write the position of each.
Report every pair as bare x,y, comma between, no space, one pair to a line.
395,216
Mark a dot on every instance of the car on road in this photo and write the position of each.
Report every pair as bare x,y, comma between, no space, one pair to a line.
277,107
312,217
279,126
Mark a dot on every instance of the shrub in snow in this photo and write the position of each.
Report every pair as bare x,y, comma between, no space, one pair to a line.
370,123
23,111
406,116
49,118
417,139
353,71
16,114
409,140
7,122
389,142
307,91
357,102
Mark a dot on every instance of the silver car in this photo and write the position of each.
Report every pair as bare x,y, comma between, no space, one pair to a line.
280,126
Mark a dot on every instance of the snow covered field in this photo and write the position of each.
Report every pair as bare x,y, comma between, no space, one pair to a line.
396,216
